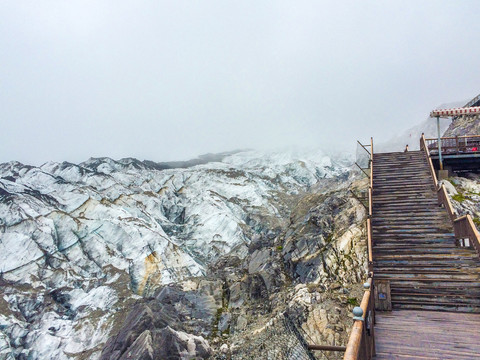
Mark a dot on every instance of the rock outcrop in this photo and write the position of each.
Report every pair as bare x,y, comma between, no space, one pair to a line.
465,195
316,289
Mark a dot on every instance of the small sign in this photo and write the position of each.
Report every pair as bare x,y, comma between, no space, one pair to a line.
382,295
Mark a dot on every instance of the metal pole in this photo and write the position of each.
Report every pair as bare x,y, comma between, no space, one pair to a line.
439,144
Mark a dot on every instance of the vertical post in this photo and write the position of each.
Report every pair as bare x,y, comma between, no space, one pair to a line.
439,144
371,165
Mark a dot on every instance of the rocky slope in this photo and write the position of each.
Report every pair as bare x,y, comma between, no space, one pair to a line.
118,259
465,195
464,125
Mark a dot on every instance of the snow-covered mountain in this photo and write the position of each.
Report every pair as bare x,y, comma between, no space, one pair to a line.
80,243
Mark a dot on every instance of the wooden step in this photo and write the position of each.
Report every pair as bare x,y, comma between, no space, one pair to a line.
395,245
404,235
468,293
408,263
436,299
400,189
409,219
428,307
424,270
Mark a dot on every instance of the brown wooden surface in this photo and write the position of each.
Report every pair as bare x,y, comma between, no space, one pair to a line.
414,245
465,228
383,286
327,348
427,335
455,145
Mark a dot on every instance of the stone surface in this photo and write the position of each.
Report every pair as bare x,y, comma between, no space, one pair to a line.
465,195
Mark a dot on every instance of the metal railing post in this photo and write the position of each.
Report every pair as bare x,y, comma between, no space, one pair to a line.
439,144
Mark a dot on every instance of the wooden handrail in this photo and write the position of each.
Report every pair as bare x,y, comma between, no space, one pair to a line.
463,226
463,217
454,137
371,163
361,343
455,145
423,145
370,212
369,244
327,348
354,342
370,208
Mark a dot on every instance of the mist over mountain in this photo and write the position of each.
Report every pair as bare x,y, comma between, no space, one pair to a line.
411,136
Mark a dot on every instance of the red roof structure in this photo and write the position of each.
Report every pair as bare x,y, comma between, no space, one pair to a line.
474,110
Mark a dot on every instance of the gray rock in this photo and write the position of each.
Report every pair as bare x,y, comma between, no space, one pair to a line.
166,322
141,349
171,345
138,321
260,259
241,323
449,187
224,322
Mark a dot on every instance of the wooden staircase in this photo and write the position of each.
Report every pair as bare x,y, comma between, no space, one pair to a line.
414,245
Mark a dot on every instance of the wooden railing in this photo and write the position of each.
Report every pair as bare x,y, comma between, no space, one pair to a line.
463,226
361,344
455,145
423,146
466,229
370,212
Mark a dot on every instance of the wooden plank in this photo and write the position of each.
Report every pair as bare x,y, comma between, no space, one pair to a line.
409,334
383,299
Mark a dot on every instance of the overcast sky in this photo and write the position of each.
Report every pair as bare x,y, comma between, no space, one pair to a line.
169,80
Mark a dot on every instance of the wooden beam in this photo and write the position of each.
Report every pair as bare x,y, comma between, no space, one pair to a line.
369,244
327,347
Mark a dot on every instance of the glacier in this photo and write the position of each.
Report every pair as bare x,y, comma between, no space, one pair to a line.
80,243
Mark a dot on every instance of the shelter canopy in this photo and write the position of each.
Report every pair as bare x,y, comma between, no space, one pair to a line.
474,110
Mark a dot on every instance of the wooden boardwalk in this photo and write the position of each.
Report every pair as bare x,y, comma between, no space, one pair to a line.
417,267
414,248
414,245
427,335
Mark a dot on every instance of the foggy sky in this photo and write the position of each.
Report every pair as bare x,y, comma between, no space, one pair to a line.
169,80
